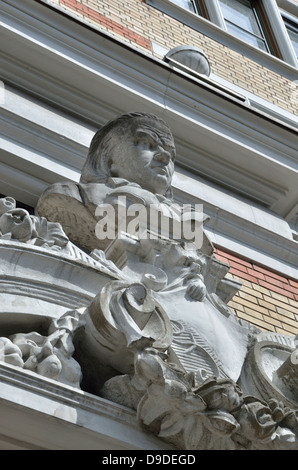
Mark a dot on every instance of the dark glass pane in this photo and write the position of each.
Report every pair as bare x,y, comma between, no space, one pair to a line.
241,13
248,38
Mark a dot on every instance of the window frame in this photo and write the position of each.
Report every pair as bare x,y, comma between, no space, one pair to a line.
200,4
267,27
199,7
259,16
290,22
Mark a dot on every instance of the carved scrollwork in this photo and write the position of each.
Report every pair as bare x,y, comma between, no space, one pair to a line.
124,318
183,382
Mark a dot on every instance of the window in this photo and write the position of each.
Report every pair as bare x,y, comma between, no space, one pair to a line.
292,28
196,6
243,20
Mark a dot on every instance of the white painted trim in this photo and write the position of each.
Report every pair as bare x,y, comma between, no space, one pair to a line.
280,32
215,14
246,250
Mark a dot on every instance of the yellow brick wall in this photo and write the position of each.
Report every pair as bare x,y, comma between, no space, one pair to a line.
136,23
266,299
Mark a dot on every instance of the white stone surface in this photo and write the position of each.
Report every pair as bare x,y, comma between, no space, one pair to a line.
39,414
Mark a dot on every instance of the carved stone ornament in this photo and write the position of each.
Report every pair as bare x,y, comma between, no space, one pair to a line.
133,308
51,355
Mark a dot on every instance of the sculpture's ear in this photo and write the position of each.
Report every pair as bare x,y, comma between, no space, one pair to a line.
114,169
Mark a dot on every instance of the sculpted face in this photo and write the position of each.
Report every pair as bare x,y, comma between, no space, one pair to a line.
146,157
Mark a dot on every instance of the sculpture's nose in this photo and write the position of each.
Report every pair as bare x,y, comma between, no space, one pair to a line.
162,155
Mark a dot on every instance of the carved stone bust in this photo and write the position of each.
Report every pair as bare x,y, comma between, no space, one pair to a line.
132,156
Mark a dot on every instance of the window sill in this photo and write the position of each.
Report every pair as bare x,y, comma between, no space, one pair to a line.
216,33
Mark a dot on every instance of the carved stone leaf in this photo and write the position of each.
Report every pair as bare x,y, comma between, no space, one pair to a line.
171,425
193,431
194,403
221,423
286,436
150,409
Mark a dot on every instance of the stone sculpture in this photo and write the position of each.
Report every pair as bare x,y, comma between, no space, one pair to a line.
158,336
119,163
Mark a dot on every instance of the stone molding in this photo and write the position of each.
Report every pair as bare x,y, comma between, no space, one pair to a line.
77,418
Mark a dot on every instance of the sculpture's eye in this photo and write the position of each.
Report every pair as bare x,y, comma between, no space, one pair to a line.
150,143
146,141
142,142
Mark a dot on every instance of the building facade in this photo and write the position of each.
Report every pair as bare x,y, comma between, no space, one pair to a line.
69,66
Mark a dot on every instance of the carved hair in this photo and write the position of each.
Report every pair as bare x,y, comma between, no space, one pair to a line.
97,167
